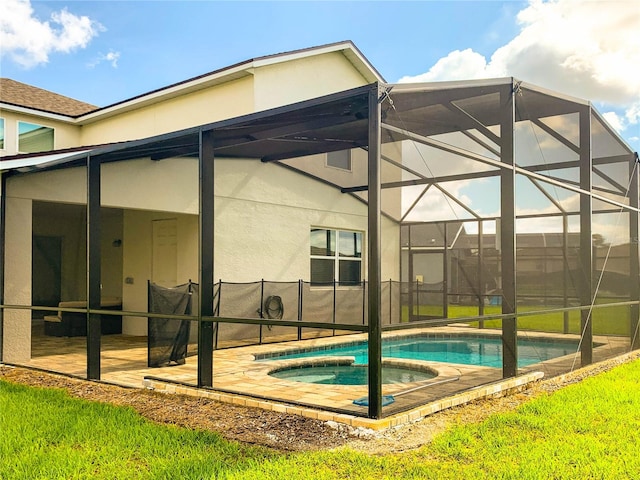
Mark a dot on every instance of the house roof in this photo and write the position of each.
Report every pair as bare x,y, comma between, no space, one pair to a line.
418,114
23,95
236,71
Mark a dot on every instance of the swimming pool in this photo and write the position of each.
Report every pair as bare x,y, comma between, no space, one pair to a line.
349,374
466,350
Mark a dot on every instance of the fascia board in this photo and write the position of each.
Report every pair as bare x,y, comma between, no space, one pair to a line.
228,74
36,113
358,60
217,78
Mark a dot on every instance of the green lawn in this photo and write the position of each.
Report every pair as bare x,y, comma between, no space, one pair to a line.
587,430
606,320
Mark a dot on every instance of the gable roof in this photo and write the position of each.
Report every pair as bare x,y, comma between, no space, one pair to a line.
23,95
239,70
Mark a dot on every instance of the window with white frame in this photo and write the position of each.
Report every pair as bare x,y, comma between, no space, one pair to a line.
336,255
33,138
1,133
340,159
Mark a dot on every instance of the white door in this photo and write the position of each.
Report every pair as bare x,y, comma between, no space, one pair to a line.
164,268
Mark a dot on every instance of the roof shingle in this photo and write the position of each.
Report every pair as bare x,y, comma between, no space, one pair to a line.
21,94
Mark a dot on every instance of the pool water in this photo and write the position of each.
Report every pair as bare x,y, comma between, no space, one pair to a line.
466,350
349,374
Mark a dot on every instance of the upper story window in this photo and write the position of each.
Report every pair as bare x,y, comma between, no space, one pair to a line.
34,138
336,255
1,133
340,159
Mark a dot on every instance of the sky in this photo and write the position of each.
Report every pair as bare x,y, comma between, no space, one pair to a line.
103,52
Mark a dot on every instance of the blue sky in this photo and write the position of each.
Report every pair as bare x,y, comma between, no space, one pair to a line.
103,52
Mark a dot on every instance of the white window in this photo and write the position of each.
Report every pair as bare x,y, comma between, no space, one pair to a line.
33,138
1,133
340,159
336,255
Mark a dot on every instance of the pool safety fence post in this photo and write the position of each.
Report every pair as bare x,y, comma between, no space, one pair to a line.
93,267
508,230
374,278
216,312
390,301
260,311
586,241
364,300
333,315
206,238
300,287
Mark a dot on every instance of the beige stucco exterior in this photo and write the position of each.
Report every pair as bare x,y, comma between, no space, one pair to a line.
309,77
245,89
263,212
263,217
223,101
16,336
66,133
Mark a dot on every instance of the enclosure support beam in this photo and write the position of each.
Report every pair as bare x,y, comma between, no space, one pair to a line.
3,211
205,271
481,287
445,274
374,263
586,244
566,271
634,254
508,233
93,267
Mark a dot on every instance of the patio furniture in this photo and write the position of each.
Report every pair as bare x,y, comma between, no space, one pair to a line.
74,324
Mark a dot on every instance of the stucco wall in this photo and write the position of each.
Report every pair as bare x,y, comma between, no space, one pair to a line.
65,135
264,87
263,217
17,282
191,109
303,79
64,186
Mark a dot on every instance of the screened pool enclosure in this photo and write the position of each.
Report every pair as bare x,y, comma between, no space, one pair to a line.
445,212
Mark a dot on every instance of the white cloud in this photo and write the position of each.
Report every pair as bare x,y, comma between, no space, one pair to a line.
28,41
614,120
585,48
458,65
111,57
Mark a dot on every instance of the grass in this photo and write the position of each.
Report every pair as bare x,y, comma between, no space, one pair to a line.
606,320
587,430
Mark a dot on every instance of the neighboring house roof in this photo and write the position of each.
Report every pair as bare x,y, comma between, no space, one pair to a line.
23,95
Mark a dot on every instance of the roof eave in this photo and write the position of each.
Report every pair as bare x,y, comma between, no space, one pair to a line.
59,117
234,72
